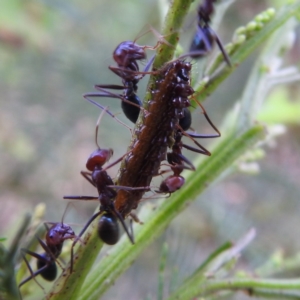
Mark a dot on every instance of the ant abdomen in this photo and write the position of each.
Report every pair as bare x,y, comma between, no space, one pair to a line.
186,121
200,42
50,272
108,228
131,112
205,37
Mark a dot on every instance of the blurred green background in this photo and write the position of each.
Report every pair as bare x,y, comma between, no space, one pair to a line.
52,52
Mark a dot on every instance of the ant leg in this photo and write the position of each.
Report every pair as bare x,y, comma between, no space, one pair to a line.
207,42
161,39
87,176
149,63
48,251
162,172
203,136
135,218
109,94
115,162
81,197
225,55
209,120
80,235
130,102
202,150
129,188
108,86
127,72
33,274
121,219
183,158
103,108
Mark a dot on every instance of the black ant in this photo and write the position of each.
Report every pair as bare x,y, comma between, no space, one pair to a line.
108,229
46,262
205,36
126,56
177,161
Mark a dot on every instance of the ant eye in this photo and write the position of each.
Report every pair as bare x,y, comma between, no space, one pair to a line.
50,269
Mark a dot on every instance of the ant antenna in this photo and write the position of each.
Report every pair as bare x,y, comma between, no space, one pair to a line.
85,96
97,125
160,38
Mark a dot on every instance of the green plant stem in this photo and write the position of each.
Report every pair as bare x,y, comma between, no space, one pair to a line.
277,265
212,257
281,295
171,30
250,285
260,294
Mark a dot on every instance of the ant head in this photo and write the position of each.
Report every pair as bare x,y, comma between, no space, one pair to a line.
108,228
171,184
58,233
127,52
98,158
